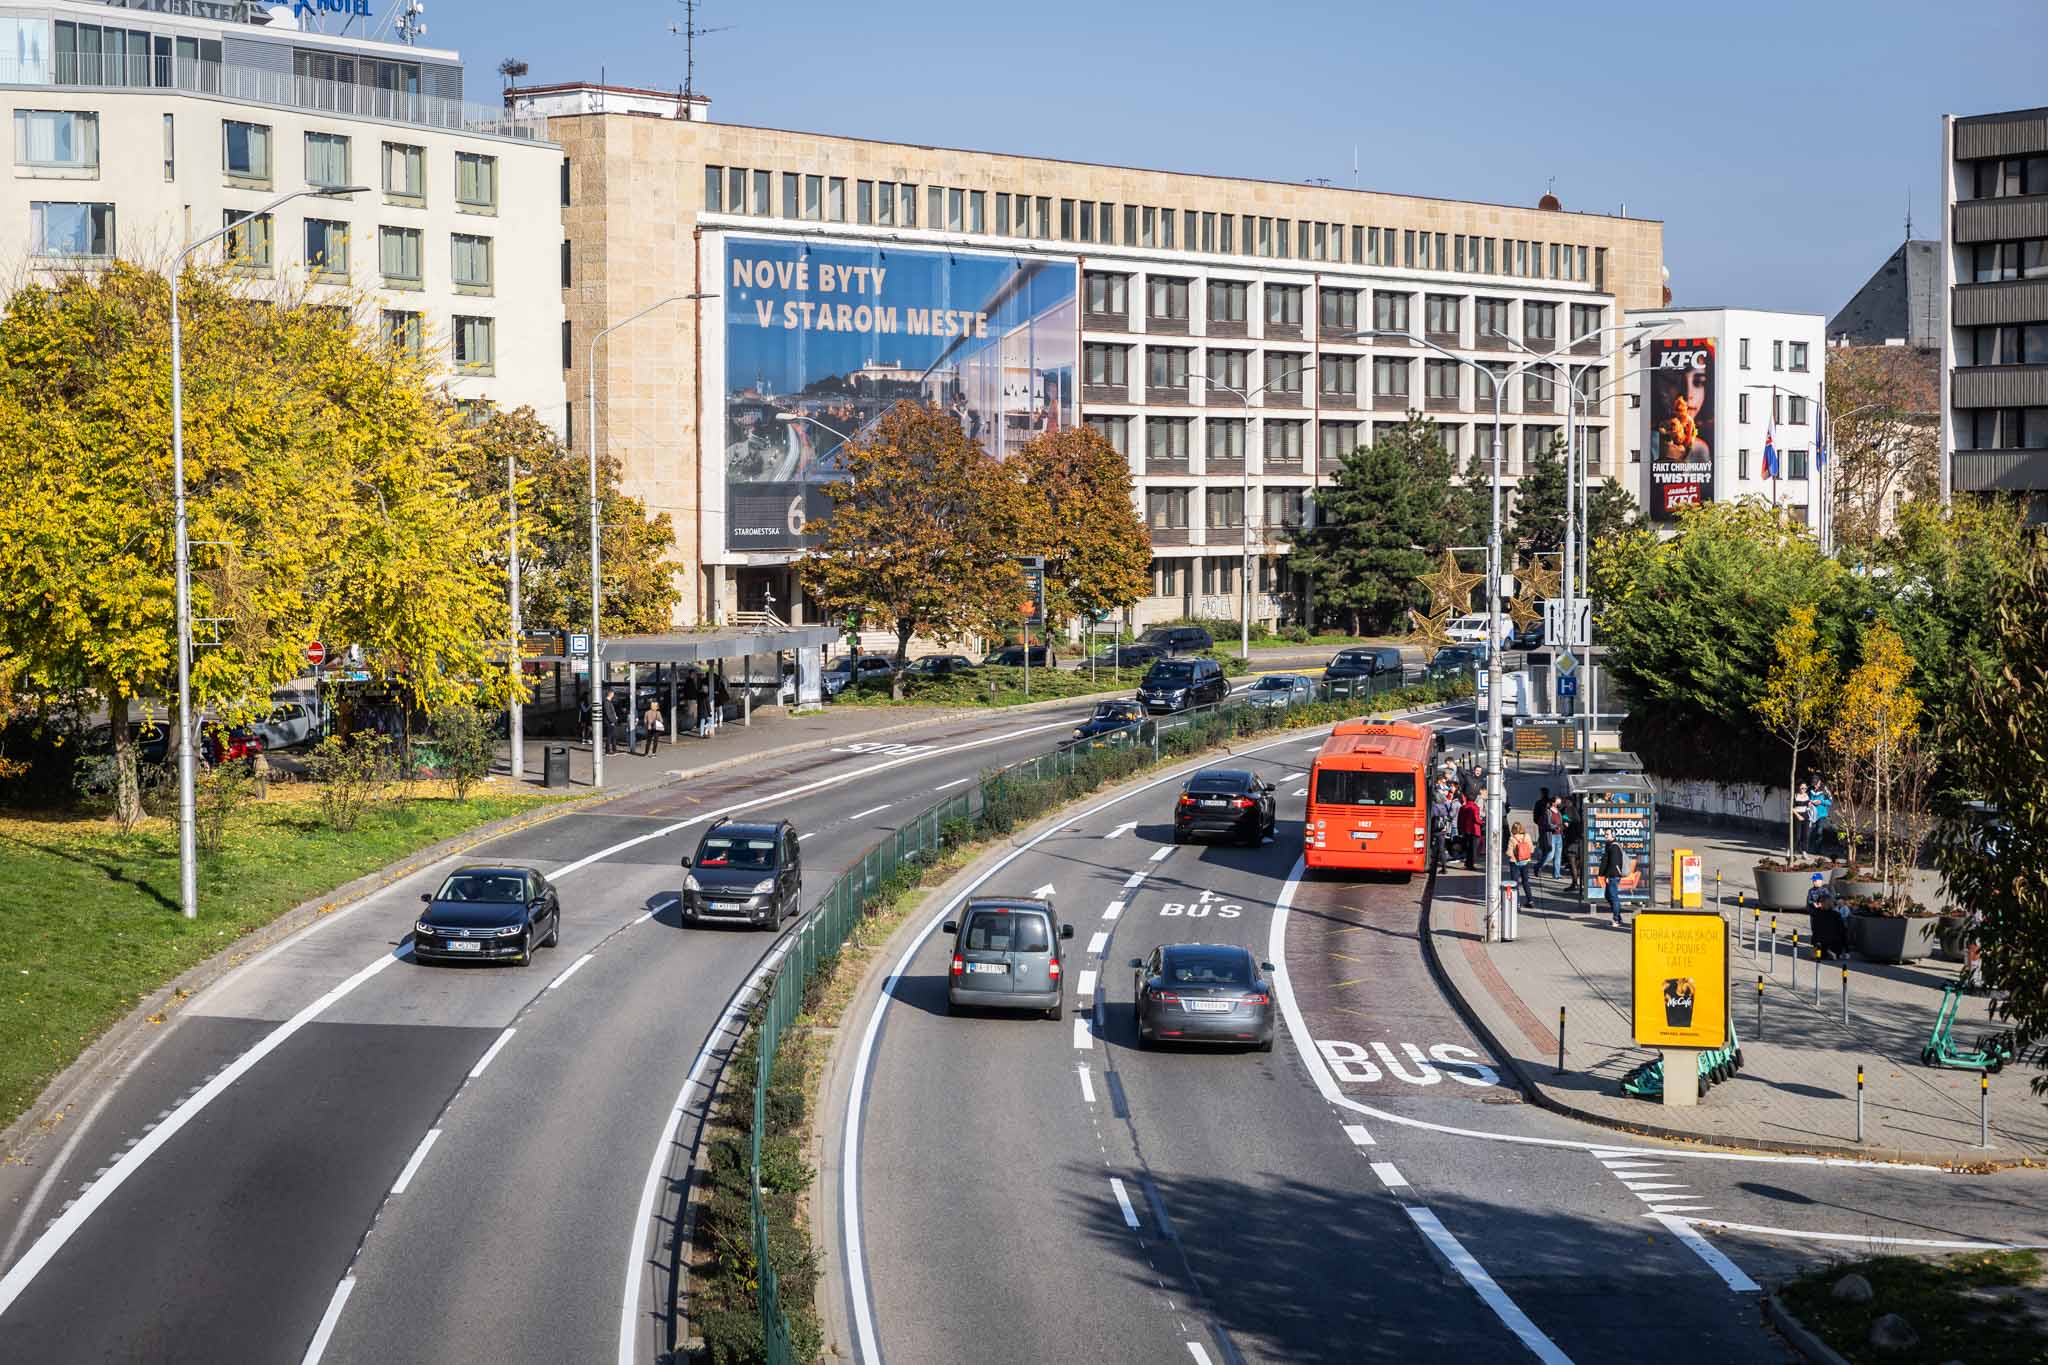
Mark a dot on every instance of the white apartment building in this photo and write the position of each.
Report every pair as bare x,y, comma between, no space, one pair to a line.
137,129
1763,375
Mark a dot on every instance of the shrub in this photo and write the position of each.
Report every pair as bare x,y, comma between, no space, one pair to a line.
219,793
464,747
352,773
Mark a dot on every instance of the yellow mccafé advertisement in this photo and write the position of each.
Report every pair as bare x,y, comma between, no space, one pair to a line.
1681,979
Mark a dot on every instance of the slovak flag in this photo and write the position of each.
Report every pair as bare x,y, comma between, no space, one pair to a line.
1771,453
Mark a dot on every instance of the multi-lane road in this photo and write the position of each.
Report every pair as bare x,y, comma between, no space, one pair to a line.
336,1153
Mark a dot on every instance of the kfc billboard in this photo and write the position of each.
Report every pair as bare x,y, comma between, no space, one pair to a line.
1679,413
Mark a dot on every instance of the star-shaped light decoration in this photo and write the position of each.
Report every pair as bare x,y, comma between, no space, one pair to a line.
1533,583
1450,587
1428,633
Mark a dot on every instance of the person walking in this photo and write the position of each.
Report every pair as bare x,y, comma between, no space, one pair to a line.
1802,813
720,696
1443,813
1573,837
1553,825
1611,861
1521,854
1536,814
619,717
1820,805
651,727
1471,829
693,698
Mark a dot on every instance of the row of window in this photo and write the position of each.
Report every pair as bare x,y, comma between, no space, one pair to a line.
2024,259
890,203
2006,428
1218,575
473,341
1106,295
1788,408
67,141
118,55
1782,352
2013,344
1107,365
2005,177
1792,464
1168,442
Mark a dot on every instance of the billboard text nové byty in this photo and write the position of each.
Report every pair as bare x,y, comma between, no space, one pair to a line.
821,340
1679,415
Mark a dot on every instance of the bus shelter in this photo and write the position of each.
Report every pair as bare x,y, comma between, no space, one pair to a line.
1621,806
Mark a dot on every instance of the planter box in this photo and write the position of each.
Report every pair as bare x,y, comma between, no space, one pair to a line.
1858,886
1893,938
1783,890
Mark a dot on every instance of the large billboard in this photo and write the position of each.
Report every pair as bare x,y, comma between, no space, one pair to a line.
822,339
1680,418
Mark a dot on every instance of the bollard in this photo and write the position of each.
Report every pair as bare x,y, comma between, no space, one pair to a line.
1845,993
1759,1007
1816,976
1719,903
1773,968
1560,1040
1792,965
1983,1109
1859,1101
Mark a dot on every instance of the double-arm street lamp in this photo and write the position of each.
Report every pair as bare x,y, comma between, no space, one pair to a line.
597,697
1244,396
188,727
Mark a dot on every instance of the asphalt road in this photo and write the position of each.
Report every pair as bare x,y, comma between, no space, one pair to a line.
1022,1190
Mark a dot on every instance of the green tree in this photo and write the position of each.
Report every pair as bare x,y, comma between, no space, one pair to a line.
1610,511
1798,692
1098,555
1390,508
1539,500
924,532
1879,717
1997,737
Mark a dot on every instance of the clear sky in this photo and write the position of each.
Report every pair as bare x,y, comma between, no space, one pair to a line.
1778,142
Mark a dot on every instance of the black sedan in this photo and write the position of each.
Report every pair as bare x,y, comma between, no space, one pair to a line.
495,913
1228,802
1130,656
1109,717
1203,993
942,665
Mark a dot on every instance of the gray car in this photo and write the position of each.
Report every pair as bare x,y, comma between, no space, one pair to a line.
1007,956
745,873
1281,690
1203,993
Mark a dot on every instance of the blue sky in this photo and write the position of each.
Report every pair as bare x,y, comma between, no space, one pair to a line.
1778,142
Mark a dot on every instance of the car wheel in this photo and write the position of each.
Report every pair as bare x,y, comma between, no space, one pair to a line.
1180,836
1144,1041
554,938
1267,1044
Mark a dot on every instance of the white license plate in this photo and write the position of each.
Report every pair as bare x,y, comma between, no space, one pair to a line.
464,946
1365,834
726,905
997,968
1211,1006
1212,803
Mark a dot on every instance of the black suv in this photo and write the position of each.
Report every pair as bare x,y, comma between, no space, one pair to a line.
1179,639
1368,662
748,873
1178,684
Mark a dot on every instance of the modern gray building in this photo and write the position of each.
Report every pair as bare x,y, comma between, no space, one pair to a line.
1994,335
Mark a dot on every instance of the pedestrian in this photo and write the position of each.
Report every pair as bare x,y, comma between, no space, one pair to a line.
1443,817
693,700
1802,813
1826,918
1553,825
720,698
1471,829
1536,821
651,726
1573,838
1820,805
1612,860
1521,854
1469,784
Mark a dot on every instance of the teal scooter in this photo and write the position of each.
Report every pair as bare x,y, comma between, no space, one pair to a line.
1992,1052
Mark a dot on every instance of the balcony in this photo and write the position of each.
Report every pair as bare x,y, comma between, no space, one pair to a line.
88,71
1983,471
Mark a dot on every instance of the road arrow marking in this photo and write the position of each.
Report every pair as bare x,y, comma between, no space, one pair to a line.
1122,829
1043,891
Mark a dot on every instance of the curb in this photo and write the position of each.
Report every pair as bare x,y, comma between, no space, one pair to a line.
1534,1092
1798,1335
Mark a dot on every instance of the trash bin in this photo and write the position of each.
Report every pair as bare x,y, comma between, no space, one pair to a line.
555,769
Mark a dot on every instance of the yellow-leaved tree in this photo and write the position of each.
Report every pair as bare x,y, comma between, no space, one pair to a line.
1876,723
1798,691
1098,555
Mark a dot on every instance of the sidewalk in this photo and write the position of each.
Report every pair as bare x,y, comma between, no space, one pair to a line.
1797,1088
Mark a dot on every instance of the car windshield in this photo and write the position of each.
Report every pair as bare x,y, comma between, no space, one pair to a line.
1179,671
1005,931
1207,967
1154,636
1222,783
1350,659
1115,710
736,850
501,888
1273,684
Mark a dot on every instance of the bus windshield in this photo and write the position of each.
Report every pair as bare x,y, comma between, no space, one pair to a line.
1347,787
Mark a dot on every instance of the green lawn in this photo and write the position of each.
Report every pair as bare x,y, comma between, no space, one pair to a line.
1989,1308
973,689
89,921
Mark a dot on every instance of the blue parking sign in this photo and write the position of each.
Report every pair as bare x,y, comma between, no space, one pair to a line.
1567,684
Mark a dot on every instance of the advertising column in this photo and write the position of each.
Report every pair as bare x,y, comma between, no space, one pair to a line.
1678,416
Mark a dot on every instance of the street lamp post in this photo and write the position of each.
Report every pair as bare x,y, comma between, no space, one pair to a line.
1244,647
188,728
597,698
1823,526
516,713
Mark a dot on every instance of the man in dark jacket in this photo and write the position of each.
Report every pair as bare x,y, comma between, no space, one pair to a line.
1471,829
1611,858
1539,823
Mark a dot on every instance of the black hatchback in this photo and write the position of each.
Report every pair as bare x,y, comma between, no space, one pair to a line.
1224,802
1203,993
746,873
492,913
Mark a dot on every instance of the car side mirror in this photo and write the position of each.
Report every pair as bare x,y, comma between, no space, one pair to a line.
1137,964
683,861
950,927
426,898
1267,967
1269,789
1066,931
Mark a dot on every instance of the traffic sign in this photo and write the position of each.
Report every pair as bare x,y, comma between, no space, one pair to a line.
579,642
1566,664
316,653
1567,684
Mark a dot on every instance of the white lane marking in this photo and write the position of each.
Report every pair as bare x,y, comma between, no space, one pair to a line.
1123,1201
811,832
66,1224
1163,854
412,1165
1512,1317
864,1056
1356,1132
1087,1084
1098,943
1115,908
871,810
1655,1185
1389,1177
1086,986
1876,1240
1125,828
642,917
1201,1356
1680,1208
1299,791
1042,892
1083,1036
1134,879
570,971
325,1331
491,1053
1731,1274
650,1188
954,783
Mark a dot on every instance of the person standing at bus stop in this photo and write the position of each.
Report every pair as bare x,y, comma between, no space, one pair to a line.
1471,830
1552,821
1611,862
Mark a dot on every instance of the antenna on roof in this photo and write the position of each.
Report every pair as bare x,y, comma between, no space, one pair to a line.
1909,213
690,32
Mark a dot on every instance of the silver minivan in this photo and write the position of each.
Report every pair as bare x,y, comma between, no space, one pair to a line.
1007,956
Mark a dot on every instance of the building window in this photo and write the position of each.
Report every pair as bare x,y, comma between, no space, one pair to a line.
1226,440
2007,428
814,198
1115,430
1105,366
2005,177
1106,215
1208,233
1539,322
401,331
1742,407
763,182
71,229
1283,443
475,345
977,211
1389,311
472,263
1166,367
1087,225
864,202
1166,509
1487,381
1284,506
1166,229
1339,376
2016,345
1107,294
1335,440
956,210
1283,305
1227,300
57,140
1741,461
1795,464
568,344
1795,410
1539,388
245,151
1389,377
170,148
327,247
1585,321
835,199
249,243
714,186
1166,440
476,182
405,172
565,182
935,205
1440,315
2026,259
1592,440
885,202
1440,379
1224,511
1536,441
1490,319
1227,371
1067,224
1283,372
1166,299
1777,355
565,263
398,256
907,206
1338,310
1742,352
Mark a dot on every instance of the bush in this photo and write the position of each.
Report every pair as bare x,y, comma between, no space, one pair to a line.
219,793
352,773
464,746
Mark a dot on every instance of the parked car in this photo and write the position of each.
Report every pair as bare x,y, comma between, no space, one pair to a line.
1179,639
1281,689
1529,636
1203,993
1177,684
1130,656
1369,661
1012,656
493,913
749,873
1458,661
226,745
943,665
1229,802
838,675
289,724
152,739
1469,630
1109,717
1007,956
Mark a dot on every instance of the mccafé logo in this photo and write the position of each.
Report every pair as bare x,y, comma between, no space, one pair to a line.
1684,360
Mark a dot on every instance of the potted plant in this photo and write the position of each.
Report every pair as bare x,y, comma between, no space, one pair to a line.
1891,928
1782,882
1858,882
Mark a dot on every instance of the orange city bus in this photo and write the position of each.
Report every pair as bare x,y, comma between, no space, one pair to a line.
1368,798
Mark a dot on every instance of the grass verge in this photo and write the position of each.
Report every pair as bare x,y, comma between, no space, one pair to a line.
1989,1308
91,915
999,687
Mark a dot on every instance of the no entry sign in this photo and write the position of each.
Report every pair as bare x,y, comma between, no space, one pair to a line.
316,653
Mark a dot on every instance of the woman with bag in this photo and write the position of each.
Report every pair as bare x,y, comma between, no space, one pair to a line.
651,726
1521,854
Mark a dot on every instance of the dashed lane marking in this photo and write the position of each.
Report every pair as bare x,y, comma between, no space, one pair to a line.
1083,1035
491,1053
1133,880
1163,854
871,810
1356,1132
1201,1356
325,1331
958,781
1087,1084
1123,1201
1115,908
1085,985
1474,1274
1389,1175
412,1166
1098,943
570,971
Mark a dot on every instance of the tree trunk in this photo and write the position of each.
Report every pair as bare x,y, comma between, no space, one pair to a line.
904,629
1791,817
127,784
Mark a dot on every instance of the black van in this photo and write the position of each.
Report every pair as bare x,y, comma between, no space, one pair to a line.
1179,639
1367,661
1180,684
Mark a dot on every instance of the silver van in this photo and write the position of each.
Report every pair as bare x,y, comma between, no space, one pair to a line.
1007,956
